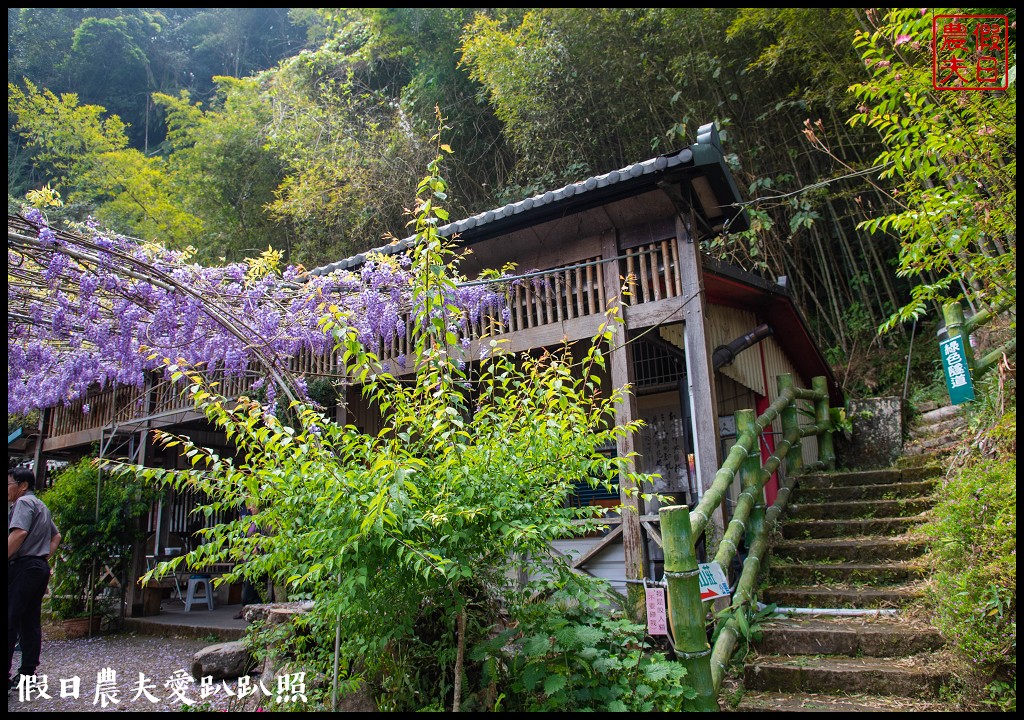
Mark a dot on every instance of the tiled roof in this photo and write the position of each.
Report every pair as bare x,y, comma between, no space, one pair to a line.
706,136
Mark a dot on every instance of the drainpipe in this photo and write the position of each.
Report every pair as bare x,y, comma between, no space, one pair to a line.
726,354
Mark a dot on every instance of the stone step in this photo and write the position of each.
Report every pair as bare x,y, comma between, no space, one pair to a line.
865,635
854,509
840,596
827,573
923,445
810,702
944,427
808,529
922,470
887,476
888,491
919,676
876,549
938,414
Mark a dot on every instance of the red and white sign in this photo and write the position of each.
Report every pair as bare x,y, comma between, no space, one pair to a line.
970,52
713,583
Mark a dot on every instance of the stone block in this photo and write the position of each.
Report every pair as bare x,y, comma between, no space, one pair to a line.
877,437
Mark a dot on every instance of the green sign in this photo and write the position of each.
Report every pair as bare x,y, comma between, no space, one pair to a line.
958,375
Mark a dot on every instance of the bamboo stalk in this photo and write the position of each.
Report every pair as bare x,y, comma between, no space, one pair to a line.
790,422
826,453
749,475
685,609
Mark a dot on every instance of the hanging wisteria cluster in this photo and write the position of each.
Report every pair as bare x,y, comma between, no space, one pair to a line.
87,308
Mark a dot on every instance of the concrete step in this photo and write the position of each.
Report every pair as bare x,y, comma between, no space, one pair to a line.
842,596
877,549
810,702
918,676
886,476
879,491
922,470
866,635
852,509
846,573
808,529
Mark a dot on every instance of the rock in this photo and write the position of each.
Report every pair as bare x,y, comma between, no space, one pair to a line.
275,613
223,661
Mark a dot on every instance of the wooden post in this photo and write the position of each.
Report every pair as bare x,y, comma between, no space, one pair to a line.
38,461
826,453
621,374
699,372
685,610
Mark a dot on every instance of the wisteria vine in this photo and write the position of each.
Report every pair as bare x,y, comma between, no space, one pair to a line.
87,308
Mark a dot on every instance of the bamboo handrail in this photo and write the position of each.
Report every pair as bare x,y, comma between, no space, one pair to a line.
682,528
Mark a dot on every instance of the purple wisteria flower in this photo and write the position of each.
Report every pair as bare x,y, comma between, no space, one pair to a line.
113,309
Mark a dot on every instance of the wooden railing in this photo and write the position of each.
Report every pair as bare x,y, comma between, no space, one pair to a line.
653,272
123,405
532,301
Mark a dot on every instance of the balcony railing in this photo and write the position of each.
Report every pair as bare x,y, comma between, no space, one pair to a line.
532,301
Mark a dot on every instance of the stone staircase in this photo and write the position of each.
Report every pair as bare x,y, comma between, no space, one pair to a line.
935,429
848,573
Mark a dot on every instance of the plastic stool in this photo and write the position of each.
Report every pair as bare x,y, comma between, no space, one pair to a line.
194,582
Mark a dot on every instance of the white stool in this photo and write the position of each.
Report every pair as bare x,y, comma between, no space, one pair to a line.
194,582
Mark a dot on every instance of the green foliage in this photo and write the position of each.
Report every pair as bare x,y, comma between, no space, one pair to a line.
87,156
92,539
572,653
405,536
223,170
974,540
952,156
747,622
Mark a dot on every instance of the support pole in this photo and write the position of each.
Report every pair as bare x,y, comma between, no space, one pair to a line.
620,362
750,475
790,423
699,373
685,609
826,453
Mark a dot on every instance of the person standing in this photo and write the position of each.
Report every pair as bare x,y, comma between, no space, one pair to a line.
32,538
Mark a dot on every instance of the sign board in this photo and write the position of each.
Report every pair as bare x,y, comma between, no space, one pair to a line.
713,583
657,622
958,375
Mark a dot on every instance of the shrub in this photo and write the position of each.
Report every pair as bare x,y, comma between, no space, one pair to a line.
974,540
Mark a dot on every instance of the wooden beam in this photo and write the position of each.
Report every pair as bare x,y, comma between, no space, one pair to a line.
607,540
652,533
699,371
621,362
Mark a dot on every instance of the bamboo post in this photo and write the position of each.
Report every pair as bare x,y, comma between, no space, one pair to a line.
790,422
826,453
750,472
685,609
953,314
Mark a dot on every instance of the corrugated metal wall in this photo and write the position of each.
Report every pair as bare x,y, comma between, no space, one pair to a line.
756,368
